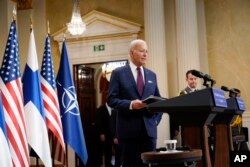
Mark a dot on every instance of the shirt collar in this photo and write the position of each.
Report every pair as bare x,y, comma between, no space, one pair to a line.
192,89
134,67
108,108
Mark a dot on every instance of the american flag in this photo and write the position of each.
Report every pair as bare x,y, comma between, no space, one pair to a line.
51,105
12,97
5,158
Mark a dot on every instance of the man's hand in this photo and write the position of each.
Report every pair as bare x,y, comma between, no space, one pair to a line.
138,104
176,133
115,141
102,138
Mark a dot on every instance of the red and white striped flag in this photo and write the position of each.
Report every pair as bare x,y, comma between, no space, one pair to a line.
12,98
51,105
5,158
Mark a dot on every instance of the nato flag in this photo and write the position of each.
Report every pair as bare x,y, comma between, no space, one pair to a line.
70,114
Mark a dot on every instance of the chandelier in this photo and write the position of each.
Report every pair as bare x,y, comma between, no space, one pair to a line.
76,25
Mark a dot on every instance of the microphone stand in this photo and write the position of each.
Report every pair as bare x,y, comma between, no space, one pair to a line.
205,82
212,83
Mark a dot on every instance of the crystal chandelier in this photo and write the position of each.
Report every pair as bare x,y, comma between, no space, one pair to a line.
76,25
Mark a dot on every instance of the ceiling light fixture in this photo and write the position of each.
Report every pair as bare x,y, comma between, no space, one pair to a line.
76,25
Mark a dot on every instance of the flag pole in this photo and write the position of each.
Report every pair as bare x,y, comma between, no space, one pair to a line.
66,149
48,27
64,36
37,162
31,26
66,146
14,12
53,150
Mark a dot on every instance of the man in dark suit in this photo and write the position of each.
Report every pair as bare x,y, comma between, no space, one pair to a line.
129,85
115,139
103,123
191,83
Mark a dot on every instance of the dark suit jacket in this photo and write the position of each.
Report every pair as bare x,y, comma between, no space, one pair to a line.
103,121
113,123
122,90
186,91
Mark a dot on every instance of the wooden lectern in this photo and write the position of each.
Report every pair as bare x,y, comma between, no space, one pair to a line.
223,142
193,112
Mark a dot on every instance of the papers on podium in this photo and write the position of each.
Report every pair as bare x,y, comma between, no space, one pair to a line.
152,99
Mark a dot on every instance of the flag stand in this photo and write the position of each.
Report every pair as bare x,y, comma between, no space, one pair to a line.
66,149
37,161
53,151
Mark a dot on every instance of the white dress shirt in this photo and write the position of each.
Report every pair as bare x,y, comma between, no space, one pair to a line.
133,68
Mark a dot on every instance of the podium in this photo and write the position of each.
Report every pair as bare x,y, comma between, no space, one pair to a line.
194,111
223,142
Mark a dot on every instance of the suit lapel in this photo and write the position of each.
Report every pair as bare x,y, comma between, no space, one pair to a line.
131,77
146,77
188,90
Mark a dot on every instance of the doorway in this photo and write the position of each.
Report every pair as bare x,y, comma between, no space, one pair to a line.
92,82
86,96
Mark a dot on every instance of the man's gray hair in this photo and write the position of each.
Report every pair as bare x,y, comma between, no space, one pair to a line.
134,43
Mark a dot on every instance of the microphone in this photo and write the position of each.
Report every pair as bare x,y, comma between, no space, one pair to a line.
202,75
208,77
225,88
232,92
197,73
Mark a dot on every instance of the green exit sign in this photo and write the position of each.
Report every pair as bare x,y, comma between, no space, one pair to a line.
98,48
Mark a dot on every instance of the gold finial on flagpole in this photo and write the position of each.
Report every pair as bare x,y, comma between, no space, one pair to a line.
64,36
64,33
48,27
31,24
14,12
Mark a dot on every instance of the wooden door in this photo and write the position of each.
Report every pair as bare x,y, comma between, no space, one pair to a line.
84,83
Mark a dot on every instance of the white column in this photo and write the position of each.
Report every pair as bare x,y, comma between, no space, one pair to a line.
38,16
6,16
157,60
246,123
23,29
187,38
202,36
